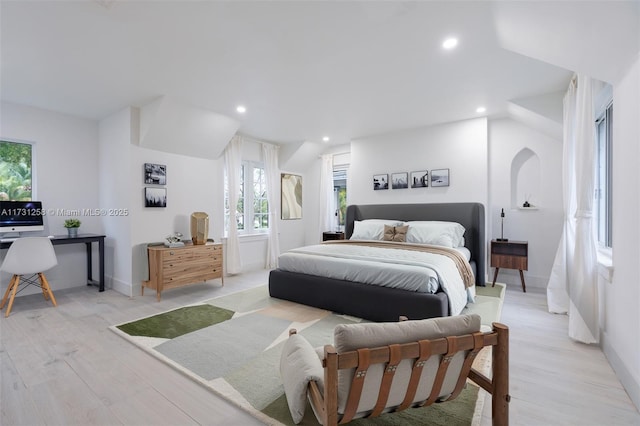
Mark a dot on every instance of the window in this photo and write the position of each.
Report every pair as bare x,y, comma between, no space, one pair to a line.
15,171
603,181
340,194
252,211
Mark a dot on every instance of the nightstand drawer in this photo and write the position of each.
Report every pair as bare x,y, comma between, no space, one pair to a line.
509,262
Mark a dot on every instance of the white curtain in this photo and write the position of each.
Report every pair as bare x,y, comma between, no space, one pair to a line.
327,220
572,285
233,164
272,175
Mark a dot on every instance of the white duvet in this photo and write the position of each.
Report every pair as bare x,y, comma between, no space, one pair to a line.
403,269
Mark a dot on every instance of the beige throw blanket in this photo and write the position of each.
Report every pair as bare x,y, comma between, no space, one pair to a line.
461,263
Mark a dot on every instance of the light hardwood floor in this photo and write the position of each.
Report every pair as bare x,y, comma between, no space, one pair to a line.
62,366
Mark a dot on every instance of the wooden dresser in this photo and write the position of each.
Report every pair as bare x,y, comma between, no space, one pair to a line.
180,266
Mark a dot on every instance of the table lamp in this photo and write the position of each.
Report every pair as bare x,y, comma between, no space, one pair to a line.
502,238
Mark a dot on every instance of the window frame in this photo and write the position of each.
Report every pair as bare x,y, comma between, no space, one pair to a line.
604,118
34,179
246,197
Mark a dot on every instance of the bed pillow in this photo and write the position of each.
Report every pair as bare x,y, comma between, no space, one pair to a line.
395,233
447,234
371,229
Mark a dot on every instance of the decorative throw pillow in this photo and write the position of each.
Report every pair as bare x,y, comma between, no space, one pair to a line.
395,233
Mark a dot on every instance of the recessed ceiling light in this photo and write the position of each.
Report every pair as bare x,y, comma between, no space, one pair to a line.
481,109
450,43
241,109
325,139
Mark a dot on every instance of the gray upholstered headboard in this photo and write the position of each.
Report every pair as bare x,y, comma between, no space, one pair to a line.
469,215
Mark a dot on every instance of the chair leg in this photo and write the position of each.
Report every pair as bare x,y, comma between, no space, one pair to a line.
46,290
16,284
6,293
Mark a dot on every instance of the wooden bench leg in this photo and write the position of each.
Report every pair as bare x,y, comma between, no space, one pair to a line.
524,287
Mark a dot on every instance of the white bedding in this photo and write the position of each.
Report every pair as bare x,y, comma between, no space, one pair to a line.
404,269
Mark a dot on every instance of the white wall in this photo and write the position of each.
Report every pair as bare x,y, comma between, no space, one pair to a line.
66,178
542,226
114,181
461,147
621,333
193,185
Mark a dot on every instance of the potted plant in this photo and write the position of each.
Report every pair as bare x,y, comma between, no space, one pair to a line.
72,226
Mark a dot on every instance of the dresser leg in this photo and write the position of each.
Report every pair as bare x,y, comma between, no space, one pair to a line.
524,288
495,276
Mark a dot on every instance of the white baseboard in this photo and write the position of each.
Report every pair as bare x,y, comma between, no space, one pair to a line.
119,286
626,378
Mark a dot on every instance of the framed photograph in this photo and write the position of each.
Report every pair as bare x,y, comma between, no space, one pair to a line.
291,196
399,180
440,177
155,197
420,179
155,174
380,182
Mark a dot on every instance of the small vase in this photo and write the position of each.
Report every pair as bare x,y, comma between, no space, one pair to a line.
73,232
199,228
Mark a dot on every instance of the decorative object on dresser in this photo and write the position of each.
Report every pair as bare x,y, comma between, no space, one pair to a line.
199,227
180,266
502,238
332,235
174,240
510,255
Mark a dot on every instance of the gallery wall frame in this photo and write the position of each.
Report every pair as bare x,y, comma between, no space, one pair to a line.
290,196
155,174
419,179
155,197
440,177
399,180
380,182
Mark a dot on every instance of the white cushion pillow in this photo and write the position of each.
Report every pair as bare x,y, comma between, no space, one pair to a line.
299,364
371,229
447,234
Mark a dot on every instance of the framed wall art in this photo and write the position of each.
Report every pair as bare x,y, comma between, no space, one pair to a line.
440,177
155,197
380,182
291,196
155,174
399,180
419,179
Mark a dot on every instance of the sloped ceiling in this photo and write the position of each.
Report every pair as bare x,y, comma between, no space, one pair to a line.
598,38
169,125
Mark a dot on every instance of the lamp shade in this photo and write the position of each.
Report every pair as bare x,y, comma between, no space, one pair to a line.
199,227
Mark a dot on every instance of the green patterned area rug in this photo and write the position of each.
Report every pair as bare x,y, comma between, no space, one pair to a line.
232,345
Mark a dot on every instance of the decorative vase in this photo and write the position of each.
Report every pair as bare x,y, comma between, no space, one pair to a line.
199,227
73,232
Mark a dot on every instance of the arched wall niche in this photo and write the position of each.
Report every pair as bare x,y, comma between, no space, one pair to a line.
525,179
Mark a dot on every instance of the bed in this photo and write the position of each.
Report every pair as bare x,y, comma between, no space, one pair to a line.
381,303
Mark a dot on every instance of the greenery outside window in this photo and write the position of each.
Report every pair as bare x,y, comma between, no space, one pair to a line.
340,194
252,211
16,162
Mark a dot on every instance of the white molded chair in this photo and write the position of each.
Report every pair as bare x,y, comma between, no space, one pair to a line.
27,258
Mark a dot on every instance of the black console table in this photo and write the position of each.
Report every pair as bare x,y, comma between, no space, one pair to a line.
81,238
